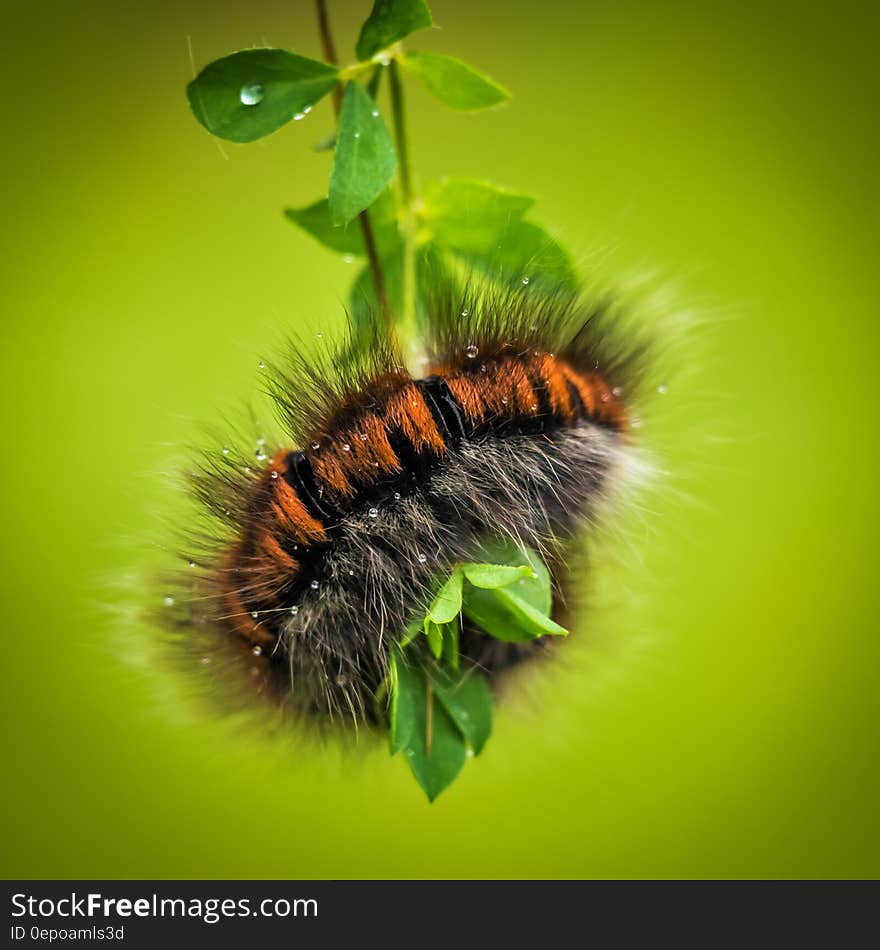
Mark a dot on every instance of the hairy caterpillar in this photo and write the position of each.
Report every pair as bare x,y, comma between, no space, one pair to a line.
334,540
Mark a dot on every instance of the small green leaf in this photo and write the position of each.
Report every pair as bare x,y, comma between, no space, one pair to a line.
390,21
490,576
404,694
252,93
519,611
450,643
535,589
421,726
454,82
529,618
469,216
467,699
364,159
434,633
315,220
446,606
524,249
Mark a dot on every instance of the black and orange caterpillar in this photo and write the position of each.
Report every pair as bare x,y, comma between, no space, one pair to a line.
515,430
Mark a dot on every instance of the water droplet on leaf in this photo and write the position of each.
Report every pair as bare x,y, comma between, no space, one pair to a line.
251,94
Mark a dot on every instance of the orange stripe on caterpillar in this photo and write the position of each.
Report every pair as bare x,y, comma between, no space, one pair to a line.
408,412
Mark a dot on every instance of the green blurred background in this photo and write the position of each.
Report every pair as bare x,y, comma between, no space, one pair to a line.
717,714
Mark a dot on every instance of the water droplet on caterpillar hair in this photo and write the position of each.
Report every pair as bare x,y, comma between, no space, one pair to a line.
294,610
299,116
464,313
421,558
226,450
261,441
319,335
262,364
662,389
363,437
397,496
314,585
192,564
348,258
373,512
257,650
274,474
617,391
346,447
168,601
261,455
205,661
255,614
525,281
251,94
316,446
471,351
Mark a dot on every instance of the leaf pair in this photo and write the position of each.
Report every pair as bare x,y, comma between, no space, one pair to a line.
436,716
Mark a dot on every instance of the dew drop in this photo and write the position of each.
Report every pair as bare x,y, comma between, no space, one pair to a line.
251,94
348,258
346,447
534,407
257,650
363,437
261,441
525,281
169,601
421,558
262,364
255,614
314,585
350,573
464,313
205,661
357,135
261,455
662,389
617,391
294,610
373,512
316,446
397,496
192,564
319,335
298,116
274,474
375,113
471,351
226,450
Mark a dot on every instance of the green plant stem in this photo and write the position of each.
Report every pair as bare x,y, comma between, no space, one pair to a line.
363,217
407,330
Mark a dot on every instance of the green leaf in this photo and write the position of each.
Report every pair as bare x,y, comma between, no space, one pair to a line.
421,726
390,21
252,93
469,216
528,618
450,643
467,699
315,220
524,249
535,589
454,82
364,159
446,606
404,693
519,611
490,576
434,633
